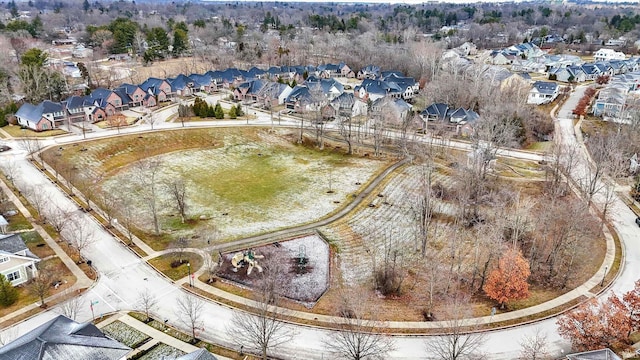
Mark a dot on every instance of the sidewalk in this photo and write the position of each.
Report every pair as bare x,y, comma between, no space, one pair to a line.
155,334
82,280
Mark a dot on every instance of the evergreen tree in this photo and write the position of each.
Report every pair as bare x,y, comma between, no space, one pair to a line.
232,113
218,112
239,111
8,294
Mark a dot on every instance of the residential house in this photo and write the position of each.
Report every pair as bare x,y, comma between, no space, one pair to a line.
64,339
75,107
527,50
369,72
105,97
231,77
345,105
568,74
159,88
216,79
604,68
603,354
501,58
335,70
611,100
200,354
372,90
398,109
256,73
203,82
45,116
17,263
435,112
408,86
273,94
134,93
619,67
591,71
543,92
330,88
181,85
608,55
300,99
248,90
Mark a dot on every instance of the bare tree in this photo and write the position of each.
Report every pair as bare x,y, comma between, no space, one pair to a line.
38,200
147,187
147,301
534,346
10,170
178,190
357,337
58,217
32,147
459,342
41,283
79,235
72,307
189,310
180,245
262,330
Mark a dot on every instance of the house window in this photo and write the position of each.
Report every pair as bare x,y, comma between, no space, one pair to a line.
13,276
4,259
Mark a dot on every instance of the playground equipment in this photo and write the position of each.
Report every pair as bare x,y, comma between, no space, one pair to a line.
248,258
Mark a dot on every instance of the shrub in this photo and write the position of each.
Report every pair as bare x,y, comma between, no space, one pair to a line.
8,294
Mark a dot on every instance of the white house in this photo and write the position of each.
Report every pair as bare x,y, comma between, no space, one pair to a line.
608,54
17,263
543,92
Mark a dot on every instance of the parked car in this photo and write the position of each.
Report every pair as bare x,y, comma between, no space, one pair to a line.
638,221
4,148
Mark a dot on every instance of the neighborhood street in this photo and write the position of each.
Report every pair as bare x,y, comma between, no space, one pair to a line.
123,276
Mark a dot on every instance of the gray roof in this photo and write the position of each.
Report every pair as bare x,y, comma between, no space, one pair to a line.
546,87
62,338
603,354
200,354
12,243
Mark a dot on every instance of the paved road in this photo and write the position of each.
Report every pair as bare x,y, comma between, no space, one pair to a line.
124,276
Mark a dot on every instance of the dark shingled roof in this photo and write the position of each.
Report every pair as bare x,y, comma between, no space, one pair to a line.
201,354
62,338
12,243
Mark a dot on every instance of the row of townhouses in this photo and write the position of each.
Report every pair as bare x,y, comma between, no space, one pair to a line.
265,87
620,99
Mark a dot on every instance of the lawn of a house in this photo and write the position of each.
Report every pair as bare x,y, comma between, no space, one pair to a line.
18,132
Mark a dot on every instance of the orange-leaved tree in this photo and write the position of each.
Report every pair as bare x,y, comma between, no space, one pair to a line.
632,302
509,281
596,324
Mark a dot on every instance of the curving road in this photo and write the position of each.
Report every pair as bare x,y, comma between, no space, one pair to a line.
123,275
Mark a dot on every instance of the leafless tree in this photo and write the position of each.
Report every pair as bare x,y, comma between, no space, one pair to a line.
178,190
10,170
561,161
79,235
357,337
147,301
534,346
459,342
147,187
32,147
211,266
126,212
180,245
425,207
319,101
38,198
262,330
108,203
72,307
345,121
41,283
189,311
58,217
152,119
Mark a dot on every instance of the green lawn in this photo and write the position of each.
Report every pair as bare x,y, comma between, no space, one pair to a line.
16,131
163,264
37,245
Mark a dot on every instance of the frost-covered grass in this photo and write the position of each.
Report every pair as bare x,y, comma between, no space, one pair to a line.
125,334
162,351
247,183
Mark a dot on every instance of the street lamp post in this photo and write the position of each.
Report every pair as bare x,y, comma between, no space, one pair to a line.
604,275
189,269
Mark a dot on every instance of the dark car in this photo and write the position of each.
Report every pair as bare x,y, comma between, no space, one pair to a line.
638,221
4,148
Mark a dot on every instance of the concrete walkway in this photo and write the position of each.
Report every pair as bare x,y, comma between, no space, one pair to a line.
155,334
82,280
